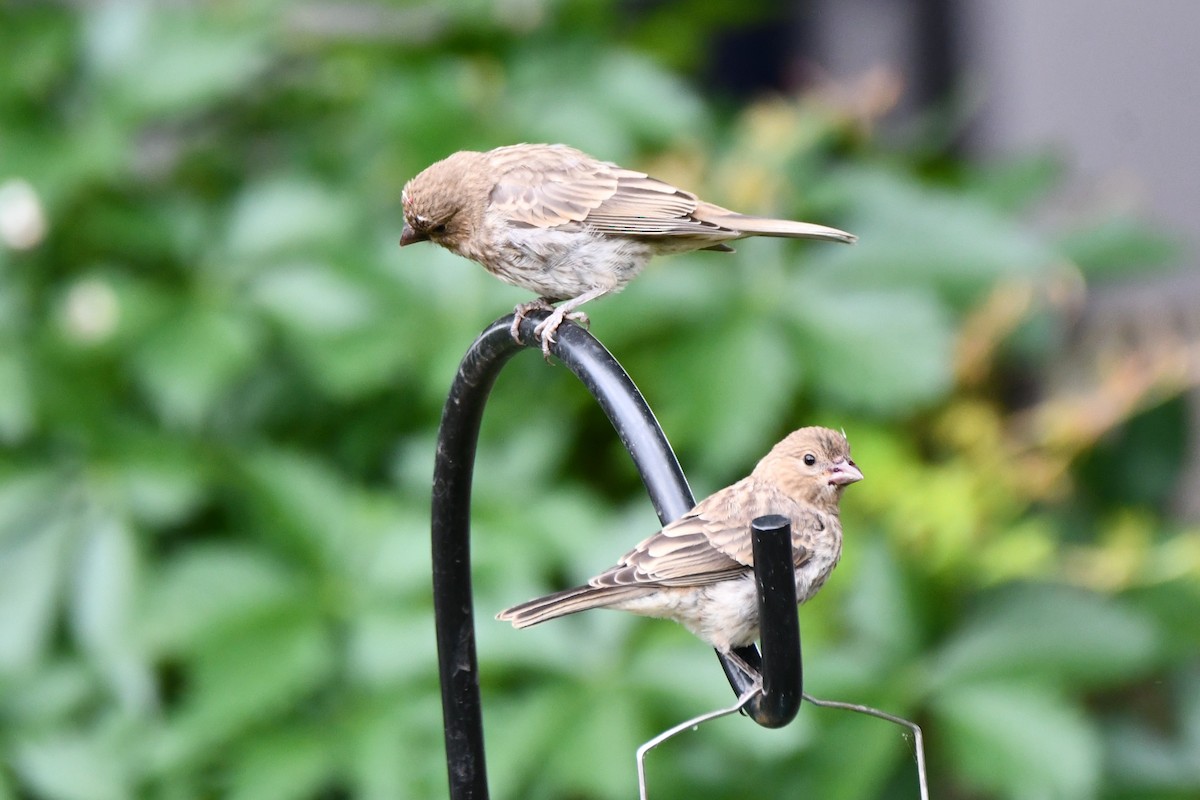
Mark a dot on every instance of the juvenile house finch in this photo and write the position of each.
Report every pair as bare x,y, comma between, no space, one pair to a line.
555,221
698,570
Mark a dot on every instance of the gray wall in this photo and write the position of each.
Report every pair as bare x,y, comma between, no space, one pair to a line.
1113,85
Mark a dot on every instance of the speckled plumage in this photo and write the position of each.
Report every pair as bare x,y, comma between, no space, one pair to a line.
566,226
698,570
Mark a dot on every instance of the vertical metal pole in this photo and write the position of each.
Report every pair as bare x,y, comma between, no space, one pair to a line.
779,625
453,602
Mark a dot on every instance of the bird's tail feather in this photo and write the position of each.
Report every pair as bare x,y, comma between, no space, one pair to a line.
765,226
568,601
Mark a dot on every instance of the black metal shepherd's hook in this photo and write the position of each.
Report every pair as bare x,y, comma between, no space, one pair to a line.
640,433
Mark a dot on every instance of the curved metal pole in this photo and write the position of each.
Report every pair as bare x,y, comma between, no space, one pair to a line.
457,438
453,600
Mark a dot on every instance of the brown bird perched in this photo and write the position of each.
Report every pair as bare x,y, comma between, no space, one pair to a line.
566,226
698,570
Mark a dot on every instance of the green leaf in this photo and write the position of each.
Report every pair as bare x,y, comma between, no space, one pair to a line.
48,695
1172,604
102,601
1146,758
36,522
1049,632
742,375
878,606
377,651
244,679
105,583
851,756
159,63
1014,184
1019,741
576,739
305,505
286,215
601,110
649,100
202,592
287,764
70,766
1118,247
393,745
314,298
160,482
17,416
918,237
885,352
356,362
191,361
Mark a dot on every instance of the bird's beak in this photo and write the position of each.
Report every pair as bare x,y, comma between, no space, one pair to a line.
410,236
843,473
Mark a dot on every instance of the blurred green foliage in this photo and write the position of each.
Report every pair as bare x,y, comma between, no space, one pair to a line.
220,382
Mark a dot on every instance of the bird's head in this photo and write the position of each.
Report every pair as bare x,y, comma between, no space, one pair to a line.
440,203
813,464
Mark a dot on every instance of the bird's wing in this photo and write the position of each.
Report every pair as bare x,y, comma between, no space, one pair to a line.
710,543
545,186
645,206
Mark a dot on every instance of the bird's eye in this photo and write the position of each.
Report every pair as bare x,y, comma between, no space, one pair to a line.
439,229
810,459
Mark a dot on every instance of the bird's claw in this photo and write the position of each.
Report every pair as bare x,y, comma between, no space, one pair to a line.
546,329
522,310
580,318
